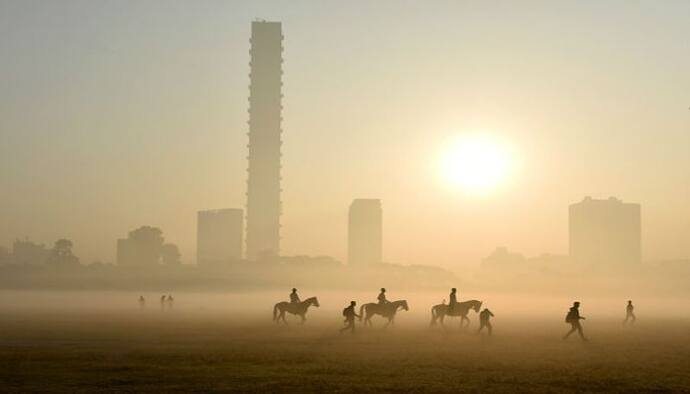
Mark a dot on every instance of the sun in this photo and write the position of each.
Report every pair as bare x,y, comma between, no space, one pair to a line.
476,164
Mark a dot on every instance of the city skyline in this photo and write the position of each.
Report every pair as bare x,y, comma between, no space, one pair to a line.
187,128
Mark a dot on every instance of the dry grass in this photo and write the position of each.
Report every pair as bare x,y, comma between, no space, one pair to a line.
201,352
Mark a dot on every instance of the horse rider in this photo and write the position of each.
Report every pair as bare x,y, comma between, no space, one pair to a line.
453,299
573,318
629,314
294,298
382,297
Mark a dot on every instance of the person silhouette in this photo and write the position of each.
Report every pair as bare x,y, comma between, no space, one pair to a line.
382,297
170,301
629,314
142,302
573,318
294,298
163,302
453,299
350,316
484,317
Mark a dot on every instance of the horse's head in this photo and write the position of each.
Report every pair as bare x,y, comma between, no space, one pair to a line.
315,301
477,306
404,305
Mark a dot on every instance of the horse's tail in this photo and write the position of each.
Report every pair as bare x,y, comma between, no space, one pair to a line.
361,311
433,316
275,312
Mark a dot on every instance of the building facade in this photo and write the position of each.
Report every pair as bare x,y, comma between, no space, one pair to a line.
605,232
265,106
365,232
219,236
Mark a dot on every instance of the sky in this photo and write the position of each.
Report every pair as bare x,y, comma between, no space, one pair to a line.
119,114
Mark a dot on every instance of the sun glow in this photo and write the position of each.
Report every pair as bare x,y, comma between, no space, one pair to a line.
477,164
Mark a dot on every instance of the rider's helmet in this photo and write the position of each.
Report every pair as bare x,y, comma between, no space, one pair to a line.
294,290
576,303
453,289
383,290
353,303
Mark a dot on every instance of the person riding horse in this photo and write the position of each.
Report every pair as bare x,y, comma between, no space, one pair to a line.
294,298
382,297
453,299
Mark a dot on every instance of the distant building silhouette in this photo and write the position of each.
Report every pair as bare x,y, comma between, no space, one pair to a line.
501,257
263,184
605,232
219,236
365,232
27,252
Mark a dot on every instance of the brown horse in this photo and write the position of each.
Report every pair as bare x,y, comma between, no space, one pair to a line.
299,309
440,311
387,310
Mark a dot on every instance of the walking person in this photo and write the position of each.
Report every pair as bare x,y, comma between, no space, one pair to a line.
350,316
629,314
484,317
573,318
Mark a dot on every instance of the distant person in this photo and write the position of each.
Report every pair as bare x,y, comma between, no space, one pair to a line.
170,301
629,314
142,302
350,316
573,318
382,297
294,298
484,317
453,297
163,302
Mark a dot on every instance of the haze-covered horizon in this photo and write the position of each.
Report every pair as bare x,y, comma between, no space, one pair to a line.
117,115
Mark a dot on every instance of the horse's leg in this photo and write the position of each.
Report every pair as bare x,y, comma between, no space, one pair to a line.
282,316
303,318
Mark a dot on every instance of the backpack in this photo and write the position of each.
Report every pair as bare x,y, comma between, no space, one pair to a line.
570,316
345,312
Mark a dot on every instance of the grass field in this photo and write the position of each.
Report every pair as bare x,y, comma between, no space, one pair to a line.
199,351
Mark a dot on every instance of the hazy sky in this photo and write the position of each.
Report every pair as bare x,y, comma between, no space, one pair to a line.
115,114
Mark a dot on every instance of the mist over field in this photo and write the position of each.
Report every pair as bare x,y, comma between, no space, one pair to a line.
344,197
103,341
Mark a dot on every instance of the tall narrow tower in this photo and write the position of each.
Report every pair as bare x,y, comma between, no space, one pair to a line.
263,185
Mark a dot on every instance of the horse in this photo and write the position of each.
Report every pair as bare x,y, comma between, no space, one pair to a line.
299,309
387,310
440,311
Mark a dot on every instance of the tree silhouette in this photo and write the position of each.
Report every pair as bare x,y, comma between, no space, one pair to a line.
148,242
170,254
61,254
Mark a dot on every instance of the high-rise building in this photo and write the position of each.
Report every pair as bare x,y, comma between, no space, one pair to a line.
219,236
365,232
263,184
605,232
